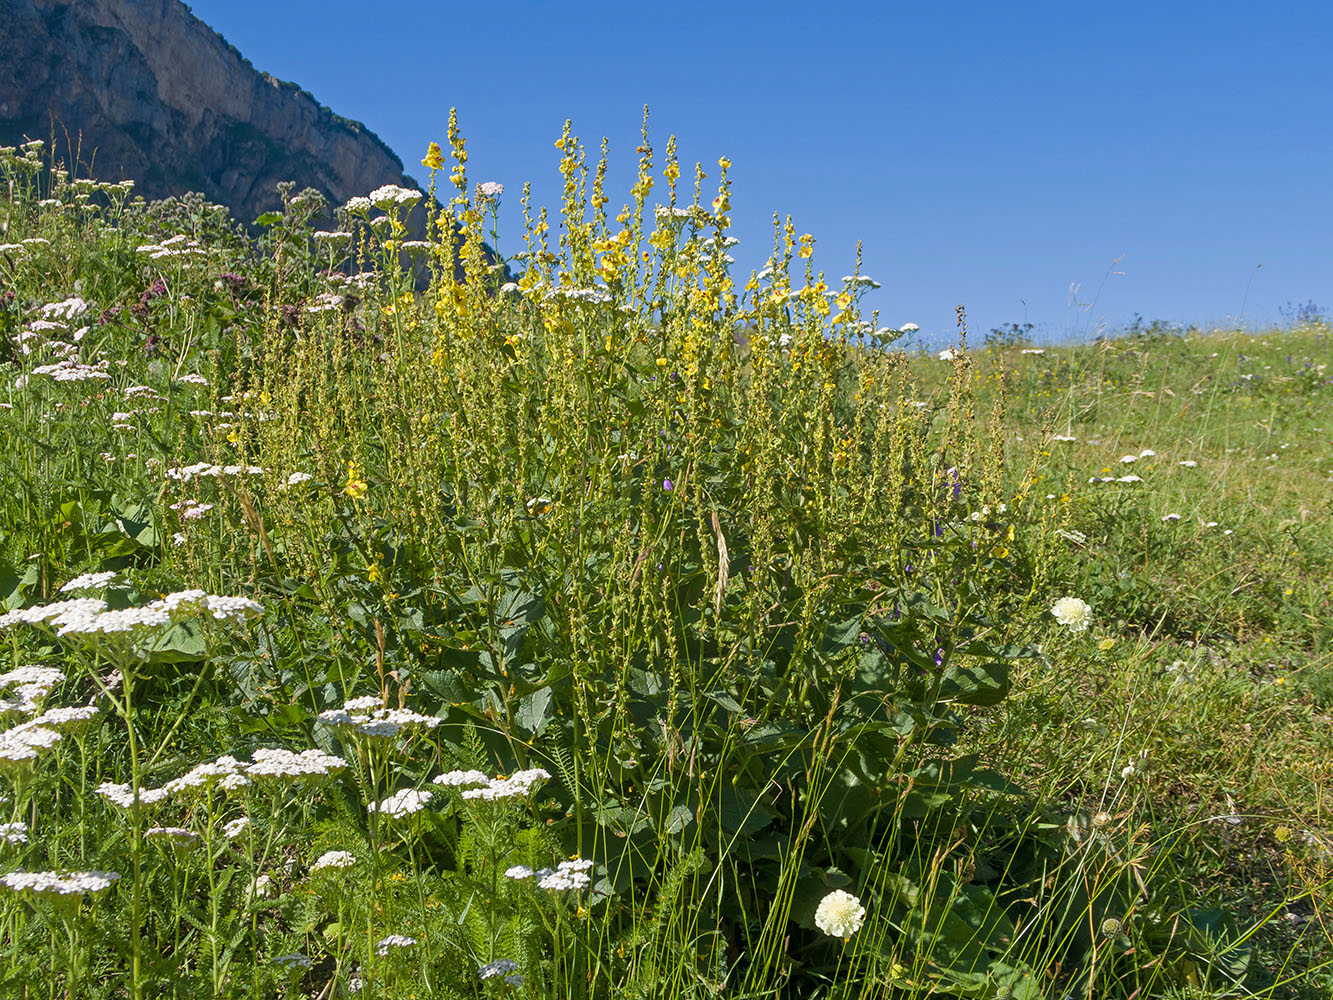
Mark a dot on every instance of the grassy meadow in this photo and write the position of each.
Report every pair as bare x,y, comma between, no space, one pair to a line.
379,621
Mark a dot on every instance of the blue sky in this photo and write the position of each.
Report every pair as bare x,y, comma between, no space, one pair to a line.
998,155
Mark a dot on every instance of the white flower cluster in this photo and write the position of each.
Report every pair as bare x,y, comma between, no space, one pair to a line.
13,833
402,803
334,859
457,779
840,914
1073,613
389,195
500,967
89,581
297,478
226,773
191,510
23,689
387,944
74,371
284,765
67,309
58,885
234,828
178,246
126,798
177,836
490,189
517,785
185,473
193,379
366,717
572,874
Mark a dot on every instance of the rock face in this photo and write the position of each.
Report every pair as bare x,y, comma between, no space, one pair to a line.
143,89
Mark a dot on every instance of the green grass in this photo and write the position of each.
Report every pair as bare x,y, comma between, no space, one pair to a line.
765,600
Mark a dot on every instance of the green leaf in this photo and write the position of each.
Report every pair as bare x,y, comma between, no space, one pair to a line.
975,684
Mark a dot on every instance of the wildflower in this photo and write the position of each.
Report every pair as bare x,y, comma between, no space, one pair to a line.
356,486
89,581
434,158
334,859
949,354
1170,517
402,803
178,836
1129,479
1066,438
234,828
516,785
299,477
566,875
386,944
285,765
490,189
53,884
1189,463
13,833
840,914
1073,613
127,799
455,779
519,872
497,968
1106,644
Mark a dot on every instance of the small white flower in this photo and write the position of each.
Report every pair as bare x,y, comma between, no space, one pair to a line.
840,914
1170,517
386,944
908,328
1073,613
1189,463
518,872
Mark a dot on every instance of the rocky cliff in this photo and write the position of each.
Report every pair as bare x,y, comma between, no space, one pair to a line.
143,89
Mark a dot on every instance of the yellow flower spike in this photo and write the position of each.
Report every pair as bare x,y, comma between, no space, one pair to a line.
724,163
434,158
356,486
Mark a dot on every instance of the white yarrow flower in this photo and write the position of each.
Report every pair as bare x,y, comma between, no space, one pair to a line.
334,859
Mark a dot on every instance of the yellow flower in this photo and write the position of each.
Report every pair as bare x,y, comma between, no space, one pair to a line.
434,157
374,574
1106,644
356,486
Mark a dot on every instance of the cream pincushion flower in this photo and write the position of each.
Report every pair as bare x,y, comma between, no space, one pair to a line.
840,914
1072,612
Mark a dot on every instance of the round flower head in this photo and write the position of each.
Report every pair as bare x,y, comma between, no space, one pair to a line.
1072,613
840,914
